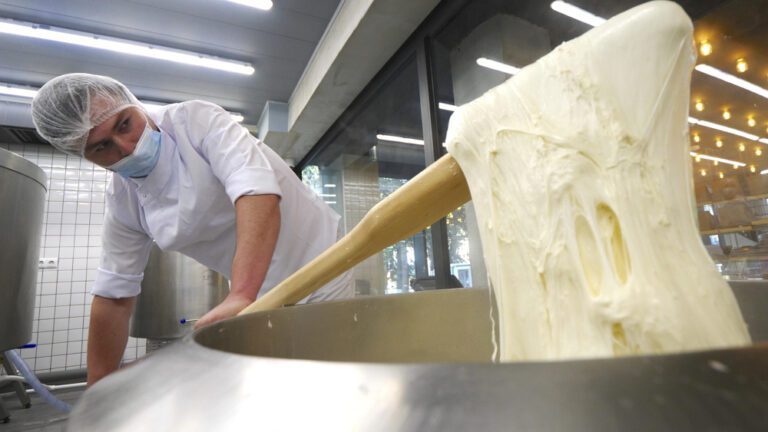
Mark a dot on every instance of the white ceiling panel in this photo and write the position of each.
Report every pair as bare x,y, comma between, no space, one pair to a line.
278,43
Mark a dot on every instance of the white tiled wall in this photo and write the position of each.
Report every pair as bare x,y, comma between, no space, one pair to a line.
74,211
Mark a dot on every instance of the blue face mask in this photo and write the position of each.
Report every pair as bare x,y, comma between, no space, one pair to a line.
144,157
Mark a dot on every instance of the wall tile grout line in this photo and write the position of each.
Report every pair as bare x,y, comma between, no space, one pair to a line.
74,212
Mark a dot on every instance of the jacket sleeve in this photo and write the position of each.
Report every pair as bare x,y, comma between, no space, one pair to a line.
125,250
236,157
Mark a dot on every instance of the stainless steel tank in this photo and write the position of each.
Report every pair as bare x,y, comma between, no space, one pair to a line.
418,362
22,197
174,287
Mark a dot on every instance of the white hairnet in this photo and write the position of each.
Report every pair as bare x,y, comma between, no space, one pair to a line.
67,107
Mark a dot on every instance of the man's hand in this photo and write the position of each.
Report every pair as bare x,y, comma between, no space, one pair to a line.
226,309
258,225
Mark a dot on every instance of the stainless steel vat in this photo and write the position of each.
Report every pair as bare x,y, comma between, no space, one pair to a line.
416,362
22,197
174,287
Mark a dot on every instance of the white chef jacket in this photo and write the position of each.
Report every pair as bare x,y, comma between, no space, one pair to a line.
186,204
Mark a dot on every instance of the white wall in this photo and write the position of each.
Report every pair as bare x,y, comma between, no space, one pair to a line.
74,212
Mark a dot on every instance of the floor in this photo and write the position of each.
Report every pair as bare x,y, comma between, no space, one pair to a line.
40,416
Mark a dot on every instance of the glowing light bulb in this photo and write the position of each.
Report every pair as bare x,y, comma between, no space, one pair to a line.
703,173
716,163
719,143
726,114
696,138
698,158
705,48
735,166
751,121
741,65
742,147
758,152
720,174
699,105
752,168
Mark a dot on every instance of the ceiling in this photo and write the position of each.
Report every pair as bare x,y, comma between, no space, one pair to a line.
278,43
737,29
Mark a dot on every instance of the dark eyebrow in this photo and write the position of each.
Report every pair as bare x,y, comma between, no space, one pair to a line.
120,117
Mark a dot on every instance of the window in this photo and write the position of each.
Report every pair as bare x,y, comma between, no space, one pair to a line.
376,151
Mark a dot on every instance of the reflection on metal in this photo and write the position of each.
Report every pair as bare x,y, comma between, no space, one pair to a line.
22,195
174,287
423,327
457,389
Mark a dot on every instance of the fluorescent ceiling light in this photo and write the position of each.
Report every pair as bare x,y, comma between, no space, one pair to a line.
577,13
447,107
24,92
725,129
395,138
498,66
329,185
258,4
713,158
30,92
327,195
37,31
764,172
725,76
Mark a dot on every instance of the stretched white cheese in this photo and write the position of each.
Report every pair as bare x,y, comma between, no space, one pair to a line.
579,171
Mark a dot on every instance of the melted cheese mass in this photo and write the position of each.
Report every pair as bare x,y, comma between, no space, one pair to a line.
580,175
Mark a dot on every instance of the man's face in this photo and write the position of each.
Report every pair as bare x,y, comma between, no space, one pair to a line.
116,137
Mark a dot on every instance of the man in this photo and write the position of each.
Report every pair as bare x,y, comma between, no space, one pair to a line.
192,180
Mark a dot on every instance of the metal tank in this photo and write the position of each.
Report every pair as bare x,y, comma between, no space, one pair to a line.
420,362
174,287
22,197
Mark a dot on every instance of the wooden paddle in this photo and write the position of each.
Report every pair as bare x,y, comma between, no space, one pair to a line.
426,198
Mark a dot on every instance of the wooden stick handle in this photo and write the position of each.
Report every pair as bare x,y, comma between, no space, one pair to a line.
426,198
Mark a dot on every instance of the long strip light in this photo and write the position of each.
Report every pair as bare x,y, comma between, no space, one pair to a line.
399,139
587,17
726,129
258,4
73,37
447,106
29,93
577,13
23,92
498,66
764,172
730,79
713,158
594,20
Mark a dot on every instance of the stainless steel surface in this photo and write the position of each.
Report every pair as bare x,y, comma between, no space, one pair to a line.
753,302
22,196
421,327
177,388
174,287
13,162
156,344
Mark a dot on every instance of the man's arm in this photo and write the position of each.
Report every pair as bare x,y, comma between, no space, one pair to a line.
107,335
258,225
